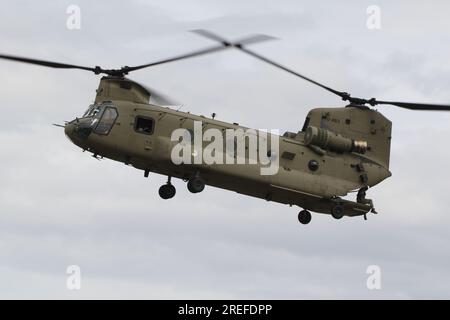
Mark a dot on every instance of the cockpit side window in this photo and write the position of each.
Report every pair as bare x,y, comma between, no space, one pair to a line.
88,111
144,125
107,120
92,111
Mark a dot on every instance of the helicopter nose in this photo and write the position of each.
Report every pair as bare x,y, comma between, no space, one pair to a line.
69,128
77,132
70,131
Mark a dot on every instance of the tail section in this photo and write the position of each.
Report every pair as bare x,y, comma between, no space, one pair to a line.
357,124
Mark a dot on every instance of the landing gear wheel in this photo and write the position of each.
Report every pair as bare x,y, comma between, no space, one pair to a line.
337,212
196,185
304,217
167,191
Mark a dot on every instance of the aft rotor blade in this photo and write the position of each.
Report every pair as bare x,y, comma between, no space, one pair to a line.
225,45
45,63
212,36
414,106
253,39
344,95
244,41
239,46
277,65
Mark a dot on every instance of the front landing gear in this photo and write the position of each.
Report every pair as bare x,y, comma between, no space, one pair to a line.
196,184
167,191
304,217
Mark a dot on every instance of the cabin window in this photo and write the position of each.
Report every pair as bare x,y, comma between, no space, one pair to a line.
144,125
107,120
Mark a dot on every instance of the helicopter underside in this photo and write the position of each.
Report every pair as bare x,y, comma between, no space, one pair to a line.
268,192
335,206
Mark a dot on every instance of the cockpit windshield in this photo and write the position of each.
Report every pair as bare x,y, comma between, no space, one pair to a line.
93,110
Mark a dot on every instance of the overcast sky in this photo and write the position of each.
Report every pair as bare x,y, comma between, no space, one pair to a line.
61,207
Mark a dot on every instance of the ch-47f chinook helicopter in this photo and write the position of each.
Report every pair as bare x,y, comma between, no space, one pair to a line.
337,151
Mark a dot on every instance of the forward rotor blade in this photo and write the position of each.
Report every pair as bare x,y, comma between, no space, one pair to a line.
158,98
239,46
181,57
44,63
161,99
125,70
415,106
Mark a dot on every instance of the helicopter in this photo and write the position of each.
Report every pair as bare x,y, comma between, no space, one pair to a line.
337,151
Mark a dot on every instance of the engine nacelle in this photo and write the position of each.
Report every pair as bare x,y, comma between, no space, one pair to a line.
328,140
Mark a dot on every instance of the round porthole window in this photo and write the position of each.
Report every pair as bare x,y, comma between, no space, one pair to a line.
313,165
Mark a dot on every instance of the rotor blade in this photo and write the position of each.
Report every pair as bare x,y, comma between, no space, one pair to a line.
125,70
415,106
339,93
244,41
344,95
239,46
210,35
254,39
181,57
161,99
44,63
347,97
158,98
248,40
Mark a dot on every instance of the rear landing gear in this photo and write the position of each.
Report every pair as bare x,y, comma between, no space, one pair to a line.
304,217
361,198
337,212
167,191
